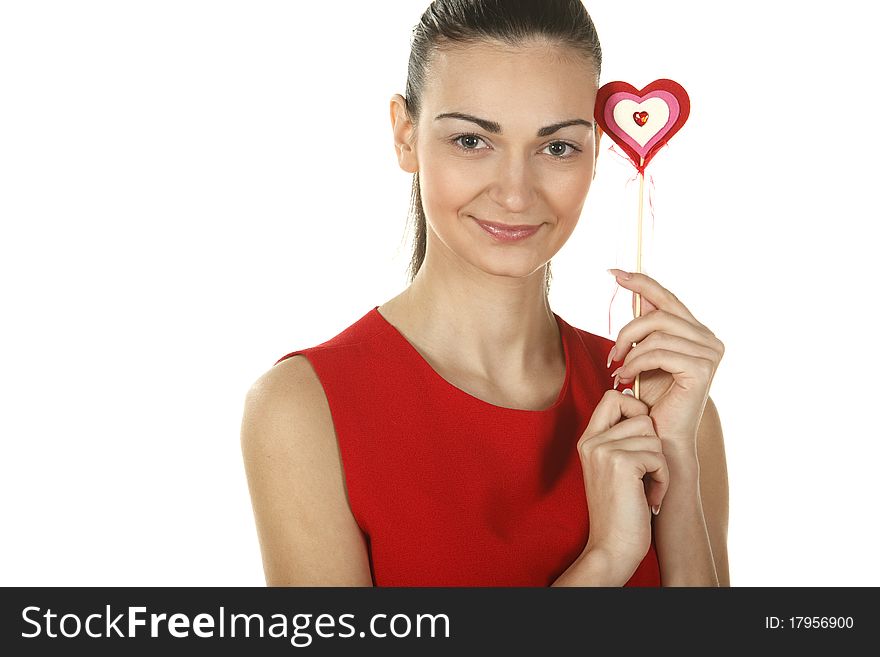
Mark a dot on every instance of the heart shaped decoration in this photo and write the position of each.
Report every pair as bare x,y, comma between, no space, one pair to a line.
640,121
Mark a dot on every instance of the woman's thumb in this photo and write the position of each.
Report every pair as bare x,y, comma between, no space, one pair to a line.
656,485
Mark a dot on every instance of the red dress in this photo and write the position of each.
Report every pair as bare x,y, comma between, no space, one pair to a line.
449,489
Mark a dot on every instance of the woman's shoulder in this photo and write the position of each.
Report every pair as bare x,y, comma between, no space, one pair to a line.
292,375
288,394
287,422
295,385
308,533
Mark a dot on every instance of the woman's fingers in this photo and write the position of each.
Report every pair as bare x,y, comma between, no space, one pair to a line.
686,370
695,338
639,444
622,429
611,409
655,474
625,473
617,416
657,295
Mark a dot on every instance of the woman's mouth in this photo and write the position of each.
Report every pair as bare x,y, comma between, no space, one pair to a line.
507,233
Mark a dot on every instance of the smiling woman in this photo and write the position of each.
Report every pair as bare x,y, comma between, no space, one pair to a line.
523,81
462,433
510,232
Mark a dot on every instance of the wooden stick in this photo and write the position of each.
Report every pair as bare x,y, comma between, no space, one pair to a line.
639,258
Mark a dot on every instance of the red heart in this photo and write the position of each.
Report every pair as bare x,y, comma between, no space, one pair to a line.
672,93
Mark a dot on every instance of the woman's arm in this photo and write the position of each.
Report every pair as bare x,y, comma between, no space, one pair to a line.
714,489
307,534
595,568
691,531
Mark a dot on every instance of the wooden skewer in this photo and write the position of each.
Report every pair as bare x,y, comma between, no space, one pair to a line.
639,257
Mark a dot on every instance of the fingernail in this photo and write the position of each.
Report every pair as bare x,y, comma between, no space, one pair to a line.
628,391
616,381
625,275
617,370
611,356
655,509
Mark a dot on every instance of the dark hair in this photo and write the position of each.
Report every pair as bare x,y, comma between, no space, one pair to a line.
447,23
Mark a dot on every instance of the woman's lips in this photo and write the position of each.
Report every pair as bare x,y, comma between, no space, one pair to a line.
506,233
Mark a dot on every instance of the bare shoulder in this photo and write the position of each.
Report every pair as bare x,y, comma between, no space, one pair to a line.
289,388
308,535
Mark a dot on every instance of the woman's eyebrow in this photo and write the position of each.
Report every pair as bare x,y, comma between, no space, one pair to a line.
493,127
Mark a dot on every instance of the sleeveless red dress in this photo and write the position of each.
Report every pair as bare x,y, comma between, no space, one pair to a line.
448,489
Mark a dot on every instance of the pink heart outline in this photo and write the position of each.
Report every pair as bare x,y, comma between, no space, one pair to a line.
674,111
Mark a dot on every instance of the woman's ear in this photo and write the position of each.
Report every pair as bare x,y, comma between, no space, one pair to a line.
403,135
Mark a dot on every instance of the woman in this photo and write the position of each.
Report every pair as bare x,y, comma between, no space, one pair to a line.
462,433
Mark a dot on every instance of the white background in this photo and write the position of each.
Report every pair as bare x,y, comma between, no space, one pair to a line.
190,190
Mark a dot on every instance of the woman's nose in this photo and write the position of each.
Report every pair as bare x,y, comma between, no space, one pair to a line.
513,186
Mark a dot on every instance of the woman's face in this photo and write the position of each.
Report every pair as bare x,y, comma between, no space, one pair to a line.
514,167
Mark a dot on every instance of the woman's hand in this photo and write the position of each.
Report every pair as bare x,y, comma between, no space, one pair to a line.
625,473
676,355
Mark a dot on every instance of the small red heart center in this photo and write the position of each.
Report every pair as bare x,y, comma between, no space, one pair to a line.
641,118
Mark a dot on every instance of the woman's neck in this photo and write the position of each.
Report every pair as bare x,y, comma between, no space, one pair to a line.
496,327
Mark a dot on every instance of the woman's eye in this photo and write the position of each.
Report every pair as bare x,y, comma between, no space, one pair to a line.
470,139
560,146
468,142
